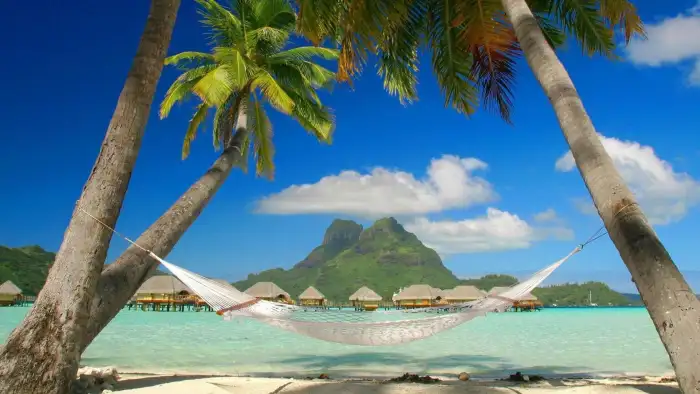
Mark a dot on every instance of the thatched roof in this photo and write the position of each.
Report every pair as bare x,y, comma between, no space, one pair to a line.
364,293
10,288
311,293
266,290
418,292
463,293
162,284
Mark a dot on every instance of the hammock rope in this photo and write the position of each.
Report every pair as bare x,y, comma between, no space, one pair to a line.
379,328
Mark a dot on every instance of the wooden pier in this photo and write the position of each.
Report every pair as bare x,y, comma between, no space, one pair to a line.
174,303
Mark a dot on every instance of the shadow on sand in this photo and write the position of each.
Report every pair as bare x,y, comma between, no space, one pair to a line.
451,387
366,364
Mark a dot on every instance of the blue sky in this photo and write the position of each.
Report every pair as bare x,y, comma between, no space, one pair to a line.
500,198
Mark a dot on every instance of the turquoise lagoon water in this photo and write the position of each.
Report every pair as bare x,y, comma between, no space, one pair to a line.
592,341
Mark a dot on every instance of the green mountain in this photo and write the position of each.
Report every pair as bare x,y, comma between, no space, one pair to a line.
26,267
488,282
578,293
384,257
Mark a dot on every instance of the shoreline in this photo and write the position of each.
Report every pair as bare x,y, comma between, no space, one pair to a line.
338,375
132,383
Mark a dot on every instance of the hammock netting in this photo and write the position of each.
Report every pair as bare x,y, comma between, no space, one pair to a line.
378,328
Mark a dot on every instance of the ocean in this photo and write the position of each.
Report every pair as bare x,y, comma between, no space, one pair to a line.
577,341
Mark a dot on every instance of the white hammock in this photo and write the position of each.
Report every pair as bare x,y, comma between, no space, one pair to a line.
351,327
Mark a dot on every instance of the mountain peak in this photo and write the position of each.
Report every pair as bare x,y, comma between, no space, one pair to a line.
386,227
340,229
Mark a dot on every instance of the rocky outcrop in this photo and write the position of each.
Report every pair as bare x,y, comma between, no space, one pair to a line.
95,380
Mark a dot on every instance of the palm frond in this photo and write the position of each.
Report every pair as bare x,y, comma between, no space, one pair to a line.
226,29
398,52
245,9
494,48
187,59
225,120
451,58
314,117
624,14
304,53
319,19
266,40
182,88
272,91
263,148
364,21
542,9
192,128
582,20
216,86
277,14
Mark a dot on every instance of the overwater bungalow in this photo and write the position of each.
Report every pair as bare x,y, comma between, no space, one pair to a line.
270,292
164,291
462,294
10,294
312,297
365,298
527,302
418,296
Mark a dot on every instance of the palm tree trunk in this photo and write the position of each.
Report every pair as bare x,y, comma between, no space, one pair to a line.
42,354
121,279
672,305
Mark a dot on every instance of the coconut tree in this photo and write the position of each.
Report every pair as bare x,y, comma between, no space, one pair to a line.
474,45
249,68
41,355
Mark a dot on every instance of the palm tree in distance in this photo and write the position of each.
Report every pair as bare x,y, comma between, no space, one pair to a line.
249,68
474,45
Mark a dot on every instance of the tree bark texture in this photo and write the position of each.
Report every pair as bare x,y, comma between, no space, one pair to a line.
120,280
42,354
672,305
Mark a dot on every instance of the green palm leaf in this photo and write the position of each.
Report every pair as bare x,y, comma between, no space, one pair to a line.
191,133
277,14
217,85
398,52
249,58
451,58
581,19
185,59
261,130
304,53
624,14
224,27
182,88
272,91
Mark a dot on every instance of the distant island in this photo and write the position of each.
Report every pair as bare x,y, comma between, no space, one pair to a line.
26,267
384,257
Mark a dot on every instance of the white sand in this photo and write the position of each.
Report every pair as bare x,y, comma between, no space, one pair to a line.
241,385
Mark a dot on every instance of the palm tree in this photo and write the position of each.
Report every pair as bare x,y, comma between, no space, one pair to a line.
41,355
474,46
248,67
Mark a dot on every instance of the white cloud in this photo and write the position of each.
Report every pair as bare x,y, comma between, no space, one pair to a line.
450,183
671,41
549,215
664,194
496,231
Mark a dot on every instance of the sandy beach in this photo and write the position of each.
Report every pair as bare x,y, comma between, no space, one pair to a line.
173,384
